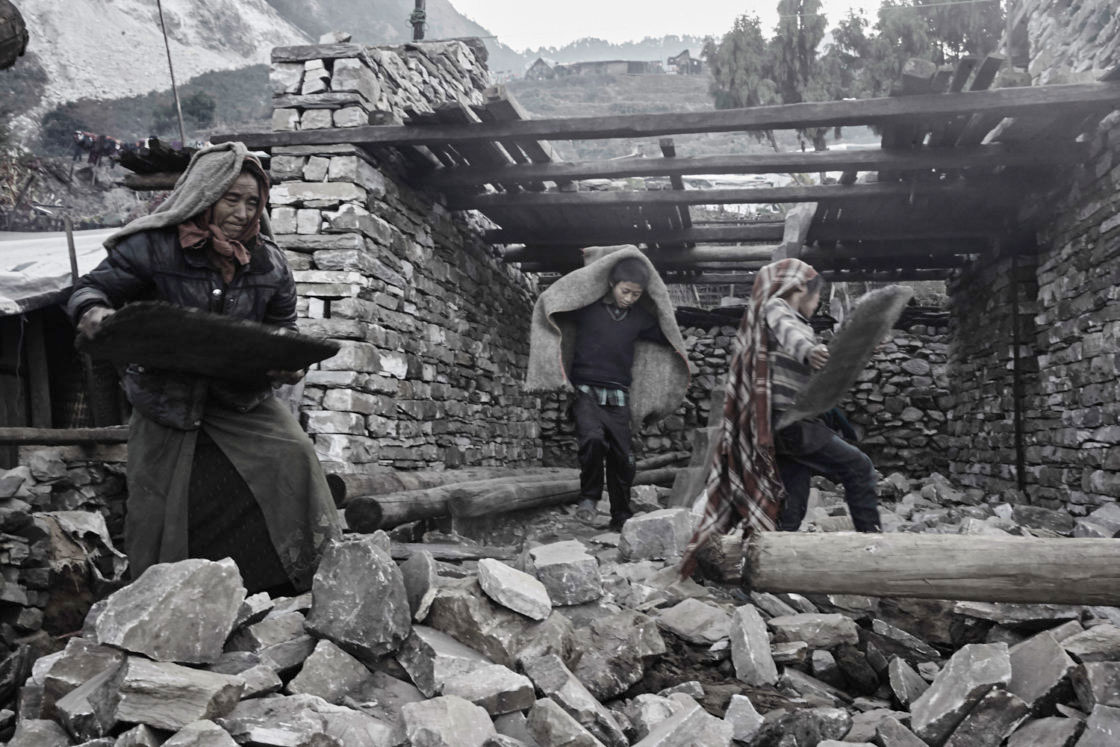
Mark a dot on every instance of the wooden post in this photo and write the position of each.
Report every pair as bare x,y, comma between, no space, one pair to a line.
984,568
38,377
171,69
417,19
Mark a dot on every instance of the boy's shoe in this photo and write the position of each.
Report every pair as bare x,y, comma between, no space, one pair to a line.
617,520
586,511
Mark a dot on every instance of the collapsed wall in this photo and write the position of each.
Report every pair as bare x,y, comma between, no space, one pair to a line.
1056,299
434,328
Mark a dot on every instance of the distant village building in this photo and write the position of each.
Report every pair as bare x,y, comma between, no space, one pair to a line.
540,70
611,67
685,64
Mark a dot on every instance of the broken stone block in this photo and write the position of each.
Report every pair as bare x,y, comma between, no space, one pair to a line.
180,612
646,711
495,688
1098,643
823,666
330,673
696,622
1097,683
906,645
614,652
804,726
744,719
857,671
865,724
260,680
280,640
463,612
145,736
1102,728
817,630
280,720
1040,670
514,589
515,726
39,733
813,689
447,721
420,582
1051,732
201,734
750,648
771,604
658,535
690,724
958,687
570,575
383,697
431,658
353,75
1021,615
254,609
996,715
791,653
80,662
359,599
1037,517
906,684
558,683
551,725
891,733
89,710
169,696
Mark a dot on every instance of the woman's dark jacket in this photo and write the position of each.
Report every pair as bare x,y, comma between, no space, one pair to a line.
152,266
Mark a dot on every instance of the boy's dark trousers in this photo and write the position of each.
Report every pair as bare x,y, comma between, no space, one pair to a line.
603,434
809,448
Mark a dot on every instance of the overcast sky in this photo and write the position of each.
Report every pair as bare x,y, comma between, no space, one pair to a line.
534,23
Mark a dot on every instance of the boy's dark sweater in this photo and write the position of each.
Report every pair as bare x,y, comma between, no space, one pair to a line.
604,349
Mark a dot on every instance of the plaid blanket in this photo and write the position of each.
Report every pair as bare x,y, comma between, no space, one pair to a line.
743,481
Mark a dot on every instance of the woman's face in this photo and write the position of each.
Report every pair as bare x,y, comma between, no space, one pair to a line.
234,210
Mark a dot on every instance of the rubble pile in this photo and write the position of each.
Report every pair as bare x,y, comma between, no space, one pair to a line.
581,637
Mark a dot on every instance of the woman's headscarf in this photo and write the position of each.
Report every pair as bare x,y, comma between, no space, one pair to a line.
227,252
743,480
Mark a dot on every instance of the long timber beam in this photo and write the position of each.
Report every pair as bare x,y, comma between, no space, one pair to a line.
1007,102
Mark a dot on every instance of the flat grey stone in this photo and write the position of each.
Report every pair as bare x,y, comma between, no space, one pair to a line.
551,725
514,589
1040,667
495,688
144,736
646,711
447,721
181,612
282,720
515,726
1053,731
557,683
659,535
822,665
431,658
420,582
39,733
744,719
816,629
814,690
696,622
1102,729
1098,643
614,652
384,696
201,734
79,662
461,610
790,653
905,683
89,710
169,696
990,722
750,648
690,724
890,732
279,641
1013,615
1097,683
330,673
958,687
260,680
570,575
359,600
920,650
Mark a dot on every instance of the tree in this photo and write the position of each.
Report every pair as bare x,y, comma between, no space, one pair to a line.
798,35
742,69
200,106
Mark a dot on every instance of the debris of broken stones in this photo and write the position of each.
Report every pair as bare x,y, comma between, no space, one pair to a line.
470,650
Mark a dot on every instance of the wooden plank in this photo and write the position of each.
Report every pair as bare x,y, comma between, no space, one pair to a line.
757,195
983,568
163,180
64,436
1007,101
502,105
669,151
986,156
38,377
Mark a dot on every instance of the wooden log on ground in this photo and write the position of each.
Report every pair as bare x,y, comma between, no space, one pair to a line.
513,497
64,436
1020,570
448,551
662,460
386,481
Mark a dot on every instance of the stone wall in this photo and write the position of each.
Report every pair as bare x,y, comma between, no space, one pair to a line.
433,327
898,406
1067,285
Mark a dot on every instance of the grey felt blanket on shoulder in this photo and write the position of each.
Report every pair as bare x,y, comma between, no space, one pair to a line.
660,373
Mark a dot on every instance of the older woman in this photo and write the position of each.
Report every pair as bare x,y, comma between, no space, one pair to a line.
215,469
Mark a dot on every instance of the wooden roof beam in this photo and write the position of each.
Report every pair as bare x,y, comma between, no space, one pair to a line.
1010,102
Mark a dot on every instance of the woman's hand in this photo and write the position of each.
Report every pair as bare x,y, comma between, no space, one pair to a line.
92,320
286,377
818,356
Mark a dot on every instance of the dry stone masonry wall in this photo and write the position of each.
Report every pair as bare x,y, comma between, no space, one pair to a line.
1066,41
434,328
